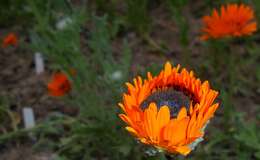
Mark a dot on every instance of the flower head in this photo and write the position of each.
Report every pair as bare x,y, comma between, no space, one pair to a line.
233,20
59,85
168,111
10,39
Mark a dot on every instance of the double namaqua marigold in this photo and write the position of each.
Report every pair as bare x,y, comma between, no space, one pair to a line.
233,20
10,39
168,111
59,85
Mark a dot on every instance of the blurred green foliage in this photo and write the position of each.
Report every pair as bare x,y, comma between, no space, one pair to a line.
95,131
85,43
8,118
138,17
248,135
14,12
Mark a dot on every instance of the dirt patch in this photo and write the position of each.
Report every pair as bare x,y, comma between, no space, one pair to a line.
25,153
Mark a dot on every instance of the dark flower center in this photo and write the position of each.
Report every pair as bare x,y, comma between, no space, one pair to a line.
172,98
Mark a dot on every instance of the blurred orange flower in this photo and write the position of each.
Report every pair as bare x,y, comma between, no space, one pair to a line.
10,39
59,85
233,21
169,111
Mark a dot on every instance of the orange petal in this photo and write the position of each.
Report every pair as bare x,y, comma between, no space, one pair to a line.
182,113
150,121
163,116
184,150
167,69
132,131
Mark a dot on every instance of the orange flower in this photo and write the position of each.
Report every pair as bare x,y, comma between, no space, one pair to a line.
233,21
168,111
10,39
59,85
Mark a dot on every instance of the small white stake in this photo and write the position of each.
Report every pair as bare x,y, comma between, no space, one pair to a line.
63,23
39,63
117,75
28,117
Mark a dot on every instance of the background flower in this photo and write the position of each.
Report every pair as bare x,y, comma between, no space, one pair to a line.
10,39
233,20
59,85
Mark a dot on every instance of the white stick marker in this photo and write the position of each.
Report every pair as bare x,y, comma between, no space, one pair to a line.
28,118
63,23
39,63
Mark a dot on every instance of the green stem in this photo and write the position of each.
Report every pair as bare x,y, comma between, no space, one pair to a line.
217,52
232,72
231,83
153,44
231,80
